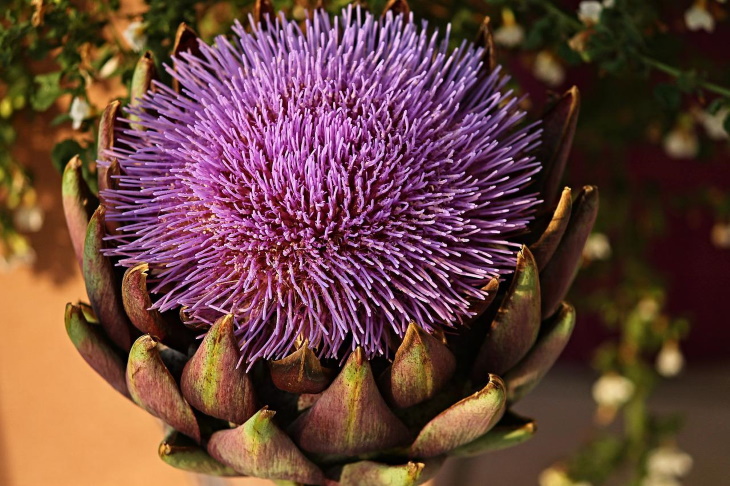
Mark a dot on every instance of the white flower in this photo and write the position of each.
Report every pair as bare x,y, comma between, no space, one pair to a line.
612,390
554,476
135,35
720,235
681,143
669,462
697,17
28,219
669,361
609,3
78,112
589,12
597,247
714,124
548,70
510,33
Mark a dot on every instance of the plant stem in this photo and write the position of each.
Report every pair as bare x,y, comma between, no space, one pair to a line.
635,429
675,72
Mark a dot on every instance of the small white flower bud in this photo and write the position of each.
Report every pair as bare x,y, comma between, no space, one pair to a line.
548,70
597,247
669,361
509,36
78,112
669,462
681,143
613,390
28,219
510,33
589,12
109,67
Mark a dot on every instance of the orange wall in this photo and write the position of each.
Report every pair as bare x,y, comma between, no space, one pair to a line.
60,423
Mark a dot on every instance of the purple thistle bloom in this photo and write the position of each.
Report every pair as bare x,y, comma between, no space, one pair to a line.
329,184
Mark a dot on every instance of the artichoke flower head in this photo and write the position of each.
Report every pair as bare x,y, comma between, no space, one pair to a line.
343,249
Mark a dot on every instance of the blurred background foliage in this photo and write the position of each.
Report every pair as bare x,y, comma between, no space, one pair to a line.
654,78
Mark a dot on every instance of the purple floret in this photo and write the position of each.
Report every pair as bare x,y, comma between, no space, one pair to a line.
329,184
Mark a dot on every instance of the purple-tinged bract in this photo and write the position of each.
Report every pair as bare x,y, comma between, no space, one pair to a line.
329,183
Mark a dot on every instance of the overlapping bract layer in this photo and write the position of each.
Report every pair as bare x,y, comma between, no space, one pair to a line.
331,184
300,421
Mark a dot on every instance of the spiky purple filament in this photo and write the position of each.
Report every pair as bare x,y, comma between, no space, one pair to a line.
331,184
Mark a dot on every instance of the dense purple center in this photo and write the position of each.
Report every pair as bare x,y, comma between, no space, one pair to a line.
328,185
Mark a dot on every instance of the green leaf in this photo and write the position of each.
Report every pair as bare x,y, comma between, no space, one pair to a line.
60,118
597,459
687,81
63,151
668,96
537,33
716,104
569,55
47,92
7,134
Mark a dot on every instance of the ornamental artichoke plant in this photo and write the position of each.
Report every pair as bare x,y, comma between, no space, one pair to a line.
327,254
